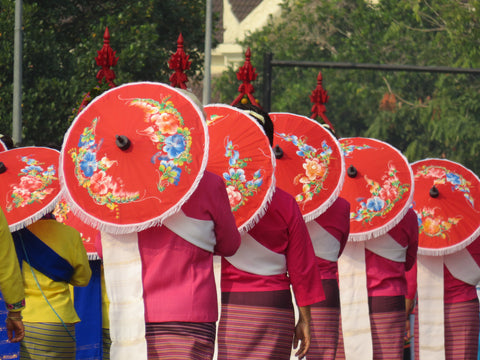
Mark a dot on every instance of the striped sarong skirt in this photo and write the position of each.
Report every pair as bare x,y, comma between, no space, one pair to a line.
325,323
461,331
106,343
48,341
387,321
256,325
180,340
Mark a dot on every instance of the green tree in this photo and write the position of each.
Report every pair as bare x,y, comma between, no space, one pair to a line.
61,40
422,114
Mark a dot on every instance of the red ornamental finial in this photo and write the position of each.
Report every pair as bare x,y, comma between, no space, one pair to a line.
179,62
246,74
319,98
106,59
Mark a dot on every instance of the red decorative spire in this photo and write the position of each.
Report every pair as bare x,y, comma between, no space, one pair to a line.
246,74
179,62
319,98
106,59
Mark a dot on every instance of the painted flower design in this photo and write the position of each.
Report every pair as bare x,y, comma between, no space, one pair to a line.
442,175
316,162
33,184
383,196
91,173
239,189
171,137
433,225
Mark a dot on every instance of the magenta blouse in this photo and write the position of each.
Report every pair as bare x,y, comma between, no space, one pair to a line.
282,230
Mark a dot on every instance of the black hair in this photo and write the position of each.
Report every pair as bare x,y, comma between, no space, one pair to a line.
267,123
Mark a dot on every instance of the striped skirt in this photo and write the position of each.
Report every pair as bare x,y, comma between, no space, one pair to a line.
256,325
325,323
48,340
106,343
180,340
461,331
387,322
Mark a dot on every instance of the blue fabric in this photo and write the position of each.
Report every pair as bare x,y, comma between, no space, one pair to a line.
40,256
88,304
7,350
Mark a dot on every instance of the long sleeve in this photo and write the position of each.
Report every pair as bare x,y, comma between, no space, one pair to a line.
11,282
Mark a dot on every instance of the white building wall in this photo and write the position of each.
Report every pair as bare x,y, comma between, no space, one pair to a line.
229,52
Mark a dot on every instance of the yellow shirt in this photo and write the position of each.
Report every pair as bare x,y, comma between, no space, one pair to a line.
67,243
11,282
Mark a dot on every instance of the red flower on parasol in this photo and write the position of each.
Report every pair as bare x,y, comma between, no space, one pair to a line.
310,164
133,156
379,186
240,152
447,203
29,182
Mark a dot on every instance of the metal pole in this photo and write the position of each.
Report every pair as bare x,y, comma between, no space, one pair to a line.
17,75
267,81
208,54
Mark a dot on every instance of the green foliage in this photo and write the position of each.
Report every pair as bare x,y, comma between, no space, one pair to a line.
61,40
430,114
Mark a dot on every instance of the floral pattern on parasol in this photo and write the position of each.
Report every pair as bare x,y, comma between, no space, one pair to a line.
171,137
383,196
442,175
33,184
239,190
310,162
379,186
241,154
92,173
446,204
316,167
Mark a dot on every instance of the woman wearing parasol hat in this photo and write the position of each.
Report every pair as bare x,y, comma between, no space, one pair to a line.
256,287
11,283
51,255
447,271
310,166
133,166
382,246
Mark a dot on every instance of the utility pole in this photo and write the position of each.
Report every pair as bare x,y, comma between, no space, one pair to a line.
208,54
17,75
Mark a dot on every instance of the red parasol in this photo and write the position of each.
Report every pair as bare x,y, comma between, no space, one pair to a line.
64,215
379,186
447,203
241,153
310,164
133,156
29,184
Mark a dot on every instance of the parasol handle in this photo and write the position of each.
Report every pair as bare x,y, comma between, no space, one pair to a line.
434,192
122,142
277,150
3,168
351,171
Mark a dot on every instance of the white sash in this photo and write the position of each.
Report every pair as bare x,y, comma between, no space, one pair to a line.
430,308
255,258
326,246
386,246
356,330
463,267
123,279
197,232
